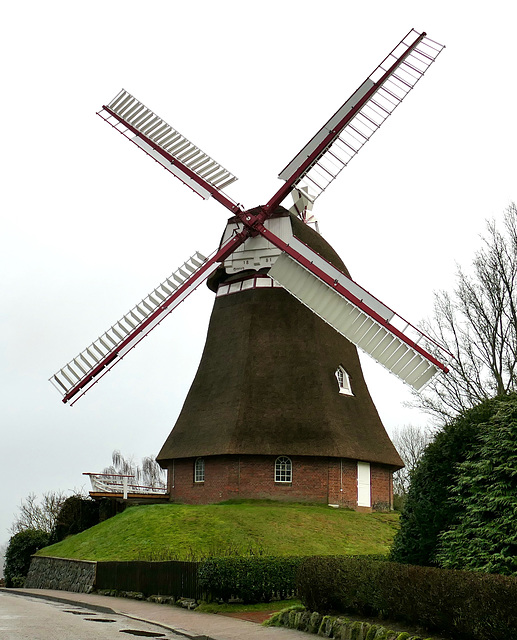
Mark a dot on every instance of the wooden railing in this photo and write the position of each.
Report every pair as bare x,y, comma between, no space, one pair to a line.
120,483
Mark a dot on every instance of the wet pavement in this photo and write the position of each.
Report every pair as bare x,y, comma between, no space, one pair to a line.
190,624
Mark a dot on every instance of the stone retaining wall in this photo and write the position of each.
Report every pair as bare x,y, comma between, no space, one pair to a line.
61,573
334,627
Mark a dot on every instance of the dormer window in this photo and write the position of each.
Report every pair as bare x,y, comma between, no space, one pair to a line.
343,381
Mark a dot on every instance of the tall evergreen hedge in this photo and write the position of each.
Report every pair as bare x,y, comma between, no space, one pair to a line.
484,537
433,503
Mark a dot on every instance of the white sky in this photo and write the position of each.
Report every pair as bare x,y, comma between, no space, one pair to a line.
90,224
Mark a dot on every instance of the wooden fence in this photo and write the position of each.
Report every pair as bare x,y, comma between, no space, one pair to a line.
172,578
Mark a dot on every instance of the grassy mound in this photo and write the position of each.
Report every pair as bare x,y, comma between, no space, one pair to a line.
193,532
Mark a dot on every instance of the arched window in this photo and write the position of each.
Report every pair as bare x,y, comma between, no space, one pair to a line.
199,470
283,469
343,381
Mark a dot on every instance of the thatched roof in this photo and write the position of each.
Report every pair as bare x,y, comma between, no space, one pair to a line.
266,383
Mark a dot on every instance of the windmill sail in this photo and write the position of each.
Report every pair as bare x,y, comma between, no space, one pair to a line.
167,146
76,377
341,138
355,314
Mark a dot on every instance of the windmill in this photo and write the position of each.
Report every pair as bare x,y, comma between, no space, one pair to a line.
267,253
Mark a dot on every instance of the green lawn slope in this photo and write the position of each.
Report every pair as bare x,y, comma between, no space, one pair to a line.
192,532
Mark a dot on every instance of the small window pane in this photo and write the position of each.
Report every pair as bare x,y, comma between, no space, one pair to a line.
199,470
283,469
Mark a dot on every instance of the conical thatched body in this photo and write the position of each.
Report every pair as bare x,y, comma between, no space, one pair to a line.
266,387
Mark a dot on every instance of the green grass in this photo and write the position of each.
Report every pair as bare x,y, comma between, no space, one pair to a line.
277,605
192,532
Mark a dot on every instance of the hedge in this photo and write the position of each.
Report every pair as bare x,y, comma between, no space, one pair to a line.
256,579
465,604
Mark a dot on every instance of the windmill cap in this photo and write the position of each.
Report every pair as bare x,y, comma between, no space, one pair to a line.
302,231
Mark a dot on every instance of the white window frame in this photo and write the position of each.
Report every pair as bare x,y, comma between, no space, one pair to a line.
199,470
343,381
283,470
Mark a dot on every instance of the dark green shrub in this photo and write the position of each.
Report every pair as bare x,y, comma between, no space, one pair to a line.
461,604
427,510
256,579
77,514
109,508
484,538
18,555
18,582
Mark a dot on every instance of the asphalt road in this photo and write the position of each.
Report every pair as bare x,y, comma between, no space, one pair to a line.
26,618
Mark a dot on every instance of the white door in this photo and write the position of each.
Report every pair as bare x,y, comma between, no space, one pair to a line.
363,485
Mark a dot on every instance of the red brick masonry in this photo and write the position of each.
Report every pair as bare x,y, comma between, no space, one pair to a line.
314,479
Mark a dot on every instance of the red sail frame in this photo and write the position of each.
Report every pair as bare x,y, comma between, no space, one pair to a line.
252,225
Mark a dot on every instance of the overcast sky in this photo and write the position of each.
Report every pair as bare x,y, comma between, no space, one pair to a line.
91,225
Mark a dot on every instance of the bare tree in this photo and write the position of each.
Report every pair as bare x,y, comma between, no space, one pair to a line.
149,473
3,549
478,325
39,514
410,441
153,474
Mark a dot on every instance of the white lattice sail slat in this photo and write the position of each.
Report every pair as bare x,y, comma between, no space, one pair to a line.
381,96
355,324
121,337
255,240
157,138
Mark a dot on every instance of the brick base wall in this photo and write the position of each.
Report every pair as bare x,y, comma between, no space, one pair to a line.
314,479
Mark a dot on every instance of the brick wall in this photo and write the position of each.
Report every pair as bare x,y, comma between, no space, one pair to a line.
342,482
382,487
314,479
